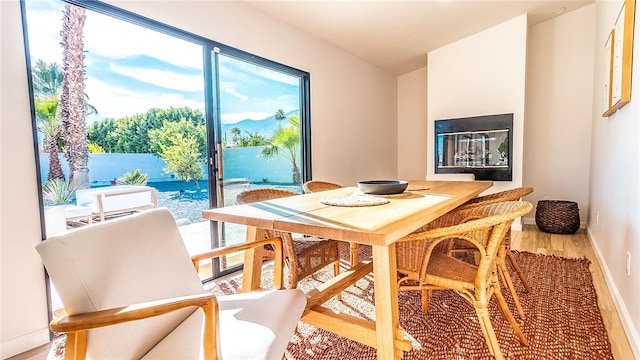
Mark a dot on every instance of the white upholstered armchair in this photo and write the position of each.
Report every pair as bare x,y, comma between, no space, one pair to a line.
130,291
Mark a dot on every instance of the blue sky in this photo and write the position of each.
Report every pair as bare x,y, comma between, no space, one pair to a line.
130,69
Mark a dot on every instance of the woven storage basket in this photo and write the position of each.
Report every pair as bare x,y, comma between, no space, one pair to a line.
558,216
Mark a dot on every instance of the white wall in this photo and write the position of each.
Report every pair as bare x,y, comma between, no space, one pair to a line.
353,104
23,307
482,74
558,109
412,125
599,161
353,115
614,180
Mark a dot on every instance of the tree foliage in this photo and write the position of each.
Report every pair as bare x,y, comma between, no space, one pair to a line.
183,159
286,140
253,139
182,145
131,134
95,149
47,78
47,85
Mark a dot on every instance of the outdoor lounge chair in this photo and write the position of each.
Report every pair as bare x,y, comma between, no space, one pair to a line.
117,200
130,291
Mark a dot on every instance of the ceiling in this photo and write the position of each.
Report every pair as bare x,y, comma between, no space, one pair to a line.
396,35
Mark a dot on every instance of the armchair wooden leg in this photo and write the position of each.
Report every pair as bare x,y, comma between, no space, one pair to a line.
501,263
516,267
514,263
426,294
75,347
488,332
506,278
507,315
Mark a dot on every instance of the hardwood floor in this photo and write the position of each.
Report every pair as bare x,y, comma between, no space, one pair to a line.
533,240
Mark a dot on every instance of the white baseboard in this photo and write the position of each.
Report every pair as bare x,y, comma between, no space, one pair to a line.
24,343
625,318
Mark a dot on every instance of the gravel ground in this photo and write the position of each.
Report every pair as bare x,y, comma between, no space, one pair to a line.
186,201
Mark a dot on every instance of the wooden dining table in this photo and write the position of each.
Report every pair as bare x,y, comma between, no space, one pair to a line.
378,225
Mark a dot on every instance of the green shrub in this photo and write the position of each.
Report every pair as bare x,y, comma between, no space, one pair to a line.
132,178
95,148
58,191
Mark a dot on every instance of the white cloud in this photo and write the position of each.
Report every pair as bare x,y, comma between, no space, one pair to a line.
118,102
44,44
163,78
262,72
119,39
232,91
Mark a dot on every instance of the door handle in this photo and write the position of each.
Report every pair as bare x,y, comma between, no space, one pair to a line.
219,155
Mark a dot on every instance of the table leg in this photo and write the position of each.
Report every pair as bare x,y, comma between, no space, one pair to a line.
386,301
353,253
252,271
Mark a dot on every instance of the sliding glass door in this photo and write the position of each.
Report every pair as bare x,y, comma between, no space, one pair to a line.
195,120
259,132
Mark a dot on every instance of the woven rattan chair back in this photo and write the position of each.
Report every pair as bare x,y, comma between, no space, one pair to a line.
255,195
506,256
422,268
507,195
313,186
317,185
303,256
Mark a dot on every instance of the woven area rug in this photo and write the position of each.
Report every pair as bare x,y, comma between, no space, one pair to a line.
563,320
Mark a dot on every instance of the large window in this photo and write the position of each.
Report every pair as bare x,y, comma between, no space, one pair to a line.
122,100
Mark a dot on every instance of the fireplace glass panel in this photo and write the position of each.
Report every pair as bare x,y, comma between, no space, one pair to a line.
474,149
480,145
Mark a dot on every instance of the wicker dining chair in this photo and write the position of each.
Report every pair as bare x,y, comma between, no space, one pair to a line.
506,254
304,255
313,186
422,267
317,185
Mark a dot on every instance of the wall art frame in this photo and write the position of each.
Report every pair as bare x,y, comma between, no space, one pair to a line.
608,75
621,59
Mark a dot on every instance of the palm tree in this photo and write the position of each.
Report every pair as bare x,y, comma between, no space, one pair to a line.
47,78
235,133
48,124
47,84
286,139
279,116
72,100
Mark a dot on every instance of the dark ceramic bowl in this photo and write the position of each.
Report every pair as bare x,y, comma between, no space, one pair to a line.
383,187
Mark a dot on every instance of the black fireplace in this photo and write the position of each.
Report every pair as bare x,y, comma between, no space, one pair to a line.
481,145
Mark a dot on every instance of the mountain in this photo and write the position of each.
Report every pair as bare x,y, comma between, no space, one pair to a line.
266,127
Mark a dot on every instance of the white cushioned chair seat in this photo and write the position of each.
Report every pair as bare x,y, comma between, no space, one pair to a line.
245,319
141,258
